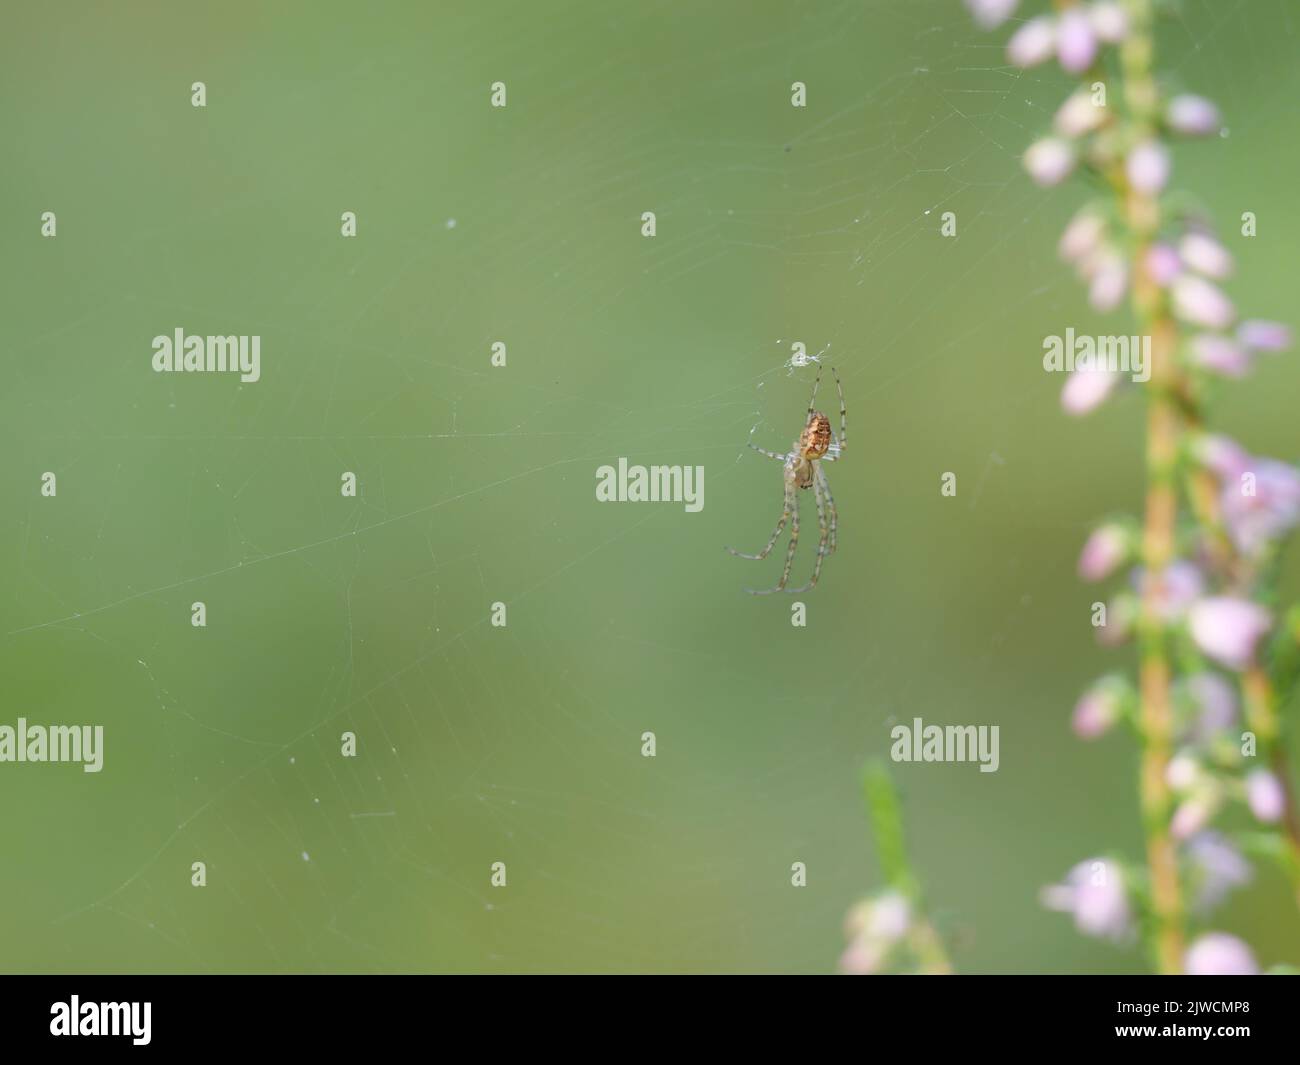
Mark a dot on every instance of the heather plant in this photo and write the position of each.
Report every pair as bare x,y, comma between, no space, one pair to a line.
890,931
1196,571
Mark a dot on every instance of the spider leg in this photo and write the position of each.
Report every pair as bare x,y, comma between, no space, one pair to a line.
843,411
823,533
830,505
792,507
769,454
816,385
776,533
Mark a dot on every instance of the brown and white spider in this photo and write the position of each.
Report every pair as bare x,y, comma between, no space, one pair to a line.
816,444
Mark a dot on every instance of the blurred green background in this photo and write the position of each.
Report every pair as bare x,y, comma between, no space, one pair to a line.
325,614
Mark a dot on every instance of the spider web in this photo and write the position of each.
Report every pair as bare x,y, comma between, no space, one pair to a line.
521,744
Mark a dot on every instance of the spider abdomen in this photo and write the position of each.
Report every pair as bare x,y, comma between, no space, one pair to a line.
816,438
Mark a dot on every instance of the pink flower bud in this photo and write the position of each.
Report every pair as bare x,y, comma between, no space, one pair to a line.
1219,954
1078,115
1082,236
1086,390
863,957
1260,335
1033,43
1049,161
1223,456
1182,773
1163,264
1205,255
990,14
1121,618
1076,42
1214,706
1148,167
1191,816
1109,22
1264,796
1201,303
1105,550
1193,116
890,917
1228,629
1257,519
1094,893
1220,355
1109,283
1176,588
1216,867
1099,708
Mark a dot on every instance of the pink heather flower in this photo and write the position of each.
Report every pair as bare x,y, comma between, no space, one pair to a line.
863,958
1076,42
1219,954
1217,868
1109,22
1105,549
1148,167
1255,521
1228,629
1183,772
1163,264
889,918
1201,303
990,14
1086,390
1121,616
1082,236
1192,815
1078,115
1033,43
1264,796
1205,255
1222,455
1049,161
1099,708
874,926
1181,584
1214,706
1220,355
1093,892
1260,335
1109,282
1192,116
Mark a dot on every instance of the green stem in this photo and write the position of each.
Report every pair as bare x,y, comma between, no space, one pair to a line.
886,813
1155,712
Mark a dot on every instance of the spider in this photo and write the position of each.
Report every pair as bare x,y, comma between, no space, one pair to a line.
816,444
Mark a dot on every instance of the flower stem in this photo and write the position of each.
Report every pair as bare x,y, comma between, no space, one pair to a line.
1155,714
891,851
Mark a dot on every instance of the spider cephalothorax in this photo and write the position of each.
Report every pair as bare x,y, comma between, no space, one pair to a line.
802,469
